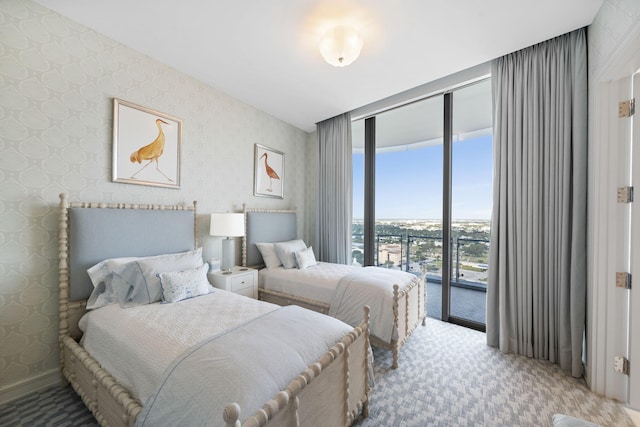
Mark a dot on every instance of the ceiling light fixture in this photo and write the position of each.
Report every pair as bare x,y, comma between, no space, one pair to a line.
341,45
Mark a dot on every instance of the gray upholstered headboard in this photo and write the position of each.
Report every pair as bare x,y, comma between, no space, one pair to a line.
266,226
95,232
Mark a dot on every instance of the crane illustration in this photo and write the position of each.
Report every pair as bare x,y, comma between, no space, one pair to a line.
270,172
151,152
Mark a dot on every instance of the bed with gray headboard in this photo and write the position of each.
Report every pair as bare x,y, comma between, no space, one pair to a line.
335,386
406,293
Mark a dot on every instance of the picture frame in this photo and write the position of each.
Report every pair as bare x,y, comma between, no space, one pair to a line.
268,172
146,146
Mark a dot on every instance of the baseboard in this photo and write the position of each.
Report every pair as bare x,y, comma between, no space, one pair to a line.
22,388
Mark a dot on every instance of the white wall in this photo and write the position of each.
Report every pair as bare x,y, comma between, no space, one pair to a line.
607,313
57,82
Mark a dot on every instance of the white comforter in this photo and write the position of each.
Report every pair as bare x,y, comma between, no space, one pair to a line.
247,365
372,286
186,361
317,282
137,344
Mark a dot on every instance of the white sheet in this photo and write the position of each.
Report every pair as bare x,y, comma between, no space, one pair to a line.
137,344
318,282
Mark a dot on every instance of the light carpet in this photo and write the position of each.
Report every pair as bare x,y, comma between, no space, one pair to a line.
447,377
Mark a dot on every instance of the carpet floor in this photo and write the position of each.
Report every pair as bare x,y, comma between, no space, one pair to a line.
447,377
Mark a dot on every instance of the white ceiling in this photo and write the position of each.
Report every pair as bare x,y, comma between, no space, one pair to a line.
265,52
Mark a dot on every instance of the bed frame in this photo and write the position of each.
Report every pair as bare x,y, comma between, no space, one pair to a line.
339,379
266,225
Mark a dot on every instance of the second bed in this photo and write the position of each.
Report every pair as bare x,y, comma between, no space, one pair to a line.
397,299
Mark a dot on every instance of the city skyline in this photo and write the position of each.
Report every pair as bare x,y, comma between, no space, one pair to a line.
400,175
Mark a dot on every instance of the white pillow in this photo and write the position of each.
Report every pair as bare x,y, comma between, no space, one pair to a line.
305,258
101,272
181,285
286,250
137,282
115,280
269,255
101,295
101,276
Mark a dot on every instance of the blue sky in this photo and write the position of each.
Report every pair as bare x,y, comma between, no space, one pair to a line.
409,182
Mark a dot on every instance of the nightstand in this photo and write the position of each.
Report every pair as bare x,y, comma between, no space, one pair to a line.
241,280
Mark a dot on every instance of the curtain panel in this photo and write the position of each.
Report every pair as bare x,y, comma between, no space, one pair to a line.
334,193
536,298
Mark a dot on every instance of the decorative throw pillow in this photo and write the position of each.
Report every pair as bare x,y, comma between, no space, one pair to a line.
137,282
269,255
285,251
101,295
101,272
305,258
101,276
180,285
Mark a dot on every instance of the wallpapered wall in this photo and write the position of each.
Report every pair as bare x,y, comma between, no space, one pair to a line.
57,83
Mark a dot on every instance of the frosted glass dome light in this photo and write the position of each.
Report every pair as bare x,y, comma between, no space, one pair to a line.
341,45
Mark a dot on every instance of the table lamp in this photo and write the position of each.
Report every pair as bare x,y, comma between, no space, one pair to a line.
227,225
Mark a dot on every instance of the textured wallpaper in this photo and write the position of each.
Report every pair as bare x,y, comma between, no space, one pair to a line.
57,83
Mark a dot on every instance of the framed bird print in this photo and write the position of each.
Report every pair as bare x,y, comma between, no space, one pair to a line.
146,146
268,172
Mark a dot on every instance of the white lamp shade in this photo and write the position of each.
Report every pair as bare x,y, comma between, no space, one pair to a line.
227,225
341,45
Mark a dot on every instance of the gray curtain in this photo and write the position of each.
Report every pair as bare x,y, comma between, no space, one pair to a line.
536,298
334,200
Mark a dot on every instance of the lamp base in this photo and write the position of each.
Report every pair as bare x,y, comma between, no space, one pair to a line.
228,255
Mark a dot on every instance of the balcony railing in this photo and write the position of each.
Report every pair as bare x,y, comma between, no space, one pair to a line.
410,252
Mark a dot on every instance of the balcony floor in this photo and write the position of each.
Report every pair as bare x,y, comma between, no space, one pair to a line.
465,303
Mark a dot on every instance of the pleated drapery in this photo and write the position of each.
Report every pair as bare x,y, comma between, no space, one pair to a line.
536,298
334,198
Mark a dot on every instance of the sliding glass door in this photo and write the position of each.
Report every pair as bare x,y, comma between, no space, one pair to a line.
412,211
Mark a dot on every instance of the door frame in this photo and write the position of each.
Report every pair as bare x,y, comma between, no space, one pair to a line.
608,307
634,257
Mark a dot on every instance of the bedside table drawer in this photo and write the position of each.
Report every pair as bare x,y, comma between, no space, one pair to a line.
241,283
247,292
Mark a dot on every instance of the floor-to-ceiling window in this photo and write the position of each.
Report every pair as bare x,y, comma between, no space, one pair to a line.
424,195
357,240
